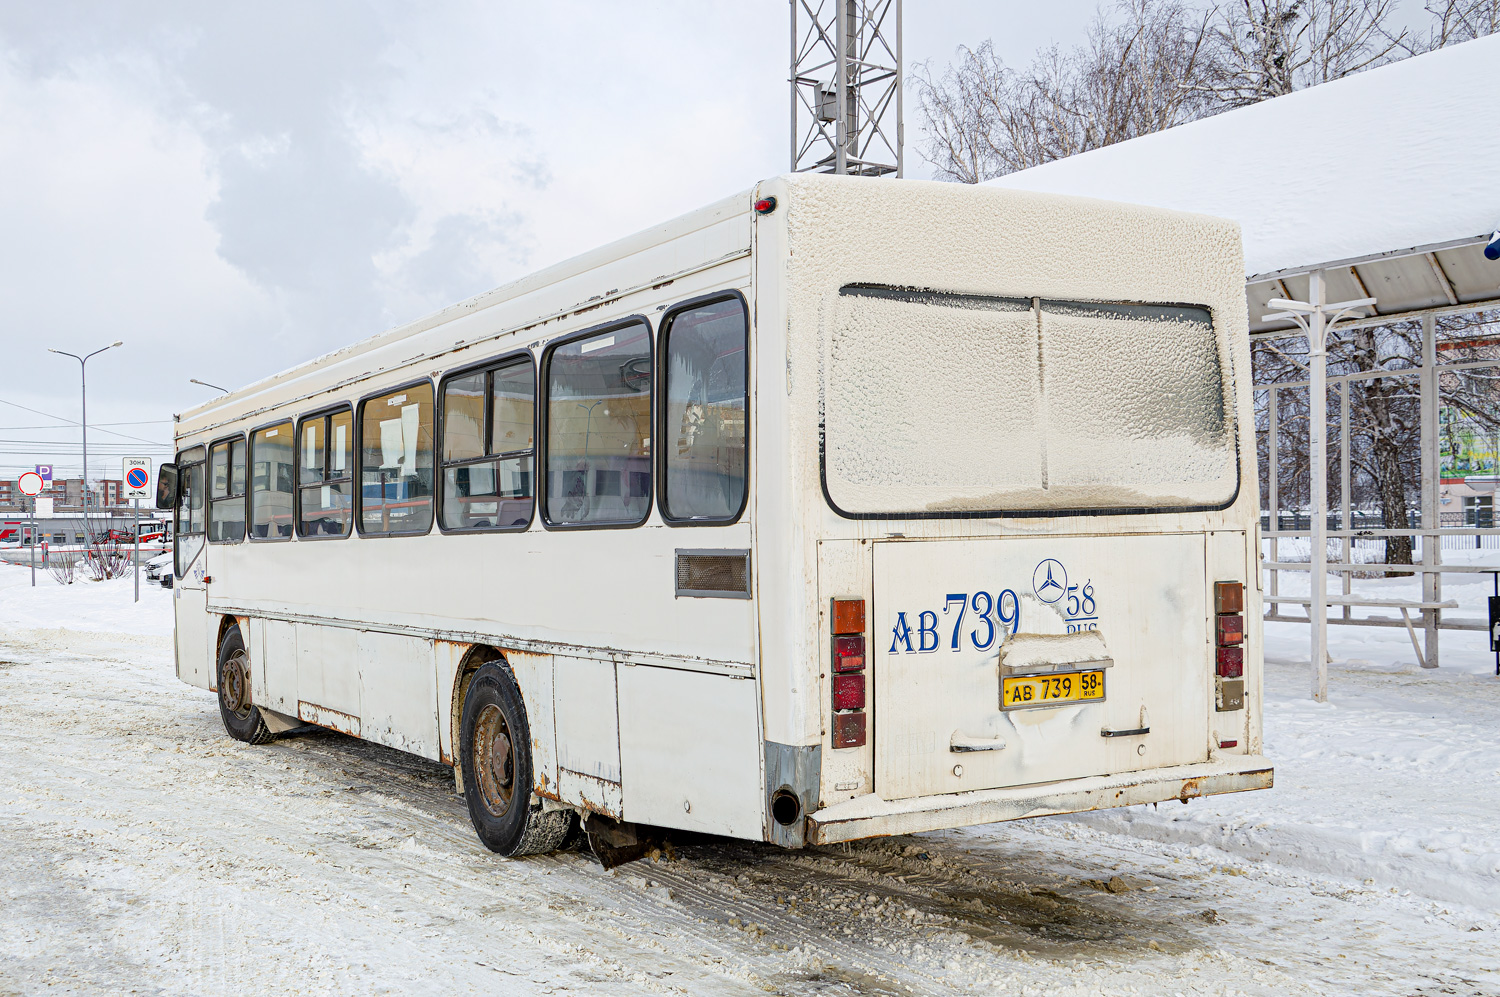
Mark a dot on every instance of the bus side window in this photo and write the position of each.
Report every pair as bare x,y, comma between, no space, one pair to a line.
325,475
704,428
190,509
599,428
487,448
226,492
271,482
396,461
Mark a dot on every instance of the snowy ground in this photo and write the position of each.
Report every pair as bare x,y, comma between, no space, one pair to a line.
143,851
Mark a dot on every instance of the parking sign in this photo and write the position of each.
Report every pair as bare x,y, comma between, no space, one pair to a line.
137,477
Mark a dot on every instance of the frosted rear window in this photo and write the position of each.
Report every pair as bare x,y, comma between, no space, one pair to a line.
939,404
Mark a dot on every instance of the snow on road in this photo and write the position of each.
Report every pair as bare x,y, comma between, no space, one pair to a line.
142,850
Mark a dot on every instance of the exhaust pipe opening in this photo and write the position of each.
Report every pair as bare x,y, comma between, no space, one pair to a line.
785,807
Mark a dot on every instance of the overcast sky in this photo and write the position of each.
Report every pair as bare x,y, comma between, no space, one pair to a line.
233,188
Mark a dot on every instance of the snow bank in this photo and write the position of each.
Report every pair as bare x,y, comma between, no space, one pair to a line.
100,607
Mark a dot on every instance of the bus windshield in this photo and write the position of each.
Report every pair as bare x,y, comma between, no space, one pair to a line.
949,404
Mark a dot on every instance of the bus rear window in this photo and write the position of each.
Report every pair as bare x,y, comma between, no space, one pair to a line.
944,404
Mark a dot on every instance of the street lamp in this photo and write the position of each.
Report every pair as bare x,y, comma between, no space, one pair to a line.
194,380
83,365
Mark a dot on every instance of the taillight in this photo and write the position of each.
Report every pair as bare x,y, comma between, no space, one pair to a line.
847,621
849,654
1229,655
849,730
1229,597
1231,662
848,617
849,692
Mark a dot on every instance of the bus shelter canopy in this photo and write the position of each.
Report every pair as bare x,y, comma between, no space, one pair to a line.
1388,180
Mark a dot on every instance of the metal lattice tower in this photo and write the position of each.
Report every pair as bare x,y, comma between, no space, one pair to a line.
846,87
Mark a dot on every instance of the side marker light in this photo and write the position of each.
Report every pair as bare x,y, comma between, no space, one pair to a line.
765,206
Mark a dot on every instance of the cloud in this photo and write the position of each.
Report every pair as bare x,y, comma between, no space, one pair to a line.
236,188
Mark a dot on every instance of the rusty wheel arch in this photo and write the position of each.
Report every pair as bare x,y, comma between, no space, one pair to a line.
477,656
225,622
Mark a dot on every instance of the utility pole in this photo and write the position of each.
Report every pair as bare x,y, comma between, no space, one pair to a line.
846,87
83,365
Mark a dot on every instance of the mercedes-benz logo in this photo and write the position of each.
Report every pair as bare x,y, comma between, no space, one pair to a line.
1050,580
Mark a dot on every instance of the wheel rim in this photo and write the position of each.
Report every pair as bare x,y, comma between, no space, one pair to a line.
234,685
494,760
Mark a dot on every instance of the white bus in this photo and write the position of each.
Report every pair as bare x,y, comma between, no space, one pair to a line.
836,509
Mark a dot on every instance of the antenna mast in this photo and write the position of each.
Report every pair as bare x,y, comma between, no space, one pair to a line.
846,87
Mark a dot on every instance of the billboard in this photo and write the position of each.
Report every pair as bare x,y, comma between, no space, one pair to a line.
1467,447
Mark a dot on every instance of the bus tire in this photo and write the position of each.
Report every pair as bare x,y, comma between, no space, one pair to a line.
495,752
241,717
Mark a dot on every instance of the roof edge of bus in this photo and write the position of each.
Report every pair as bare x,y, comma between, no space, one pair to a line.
741,201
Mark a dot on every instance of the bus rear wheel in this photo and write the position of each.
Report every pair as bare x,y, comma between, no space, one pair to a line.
241,718
495,753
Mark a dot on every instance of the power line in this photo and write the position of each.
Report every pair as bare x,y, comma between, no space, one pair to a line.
70,422
64,425
70,443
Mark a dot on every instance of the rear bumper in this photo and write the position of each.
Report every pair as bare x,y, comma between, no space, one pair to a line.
870,816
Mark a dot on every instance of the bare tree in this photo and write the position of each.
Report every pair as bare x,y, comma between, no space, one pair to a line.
1267,48
1457,21
1384,412
1140,70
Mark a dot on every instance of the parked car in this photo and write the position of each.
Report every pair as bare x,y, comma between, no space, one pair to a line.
161,563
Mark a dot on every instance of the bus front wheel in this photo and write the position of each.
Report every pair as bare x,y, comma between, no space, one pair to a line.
495,752
241,718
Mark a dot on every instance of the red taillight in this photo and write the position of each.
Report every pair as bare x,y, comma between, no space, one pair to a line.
848,730
1229,597
849,692
1231,630
847,622
848,653
1231,662
1229,744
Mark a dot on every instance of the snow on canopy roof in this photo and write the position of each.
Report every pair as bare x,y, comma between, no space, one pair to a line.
1400,158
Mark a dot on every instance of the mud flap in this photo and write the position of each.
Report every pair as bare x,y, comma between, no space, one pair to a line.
616,842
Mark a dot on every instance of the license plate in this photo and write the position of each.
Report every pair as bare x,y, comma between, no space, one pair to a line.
1020,692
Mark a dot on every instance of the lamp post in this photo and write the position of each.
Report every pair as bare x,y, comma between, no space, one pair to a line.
83,366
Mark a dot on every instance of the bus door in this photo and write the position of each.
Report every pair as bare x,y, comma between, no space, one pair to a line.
1014,661
196,657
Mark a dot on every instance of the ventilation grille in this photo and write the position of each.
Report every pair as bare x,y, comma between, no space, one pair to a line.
714,574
